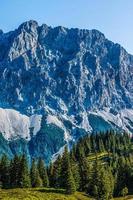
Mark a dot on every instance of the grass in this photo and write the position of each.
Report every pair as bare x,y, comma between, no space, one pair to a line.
45,194
100,156
126,198
40,194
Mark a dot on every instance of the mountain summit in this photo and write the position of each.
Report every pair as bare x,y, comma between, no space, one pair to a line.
70,81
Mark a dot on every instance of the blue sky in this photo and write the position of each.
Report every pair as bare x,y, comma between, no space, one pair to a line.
112,17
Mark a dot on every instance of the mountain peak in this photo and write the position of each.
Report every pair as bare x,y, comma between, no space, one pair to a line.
30,25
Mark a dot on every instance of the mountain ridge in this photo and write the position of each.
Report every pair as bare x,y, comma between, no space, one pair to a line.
77,76
19,50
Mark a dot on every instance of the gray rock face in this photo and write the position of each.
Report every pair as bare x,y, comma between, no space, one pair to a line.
58,67
67,73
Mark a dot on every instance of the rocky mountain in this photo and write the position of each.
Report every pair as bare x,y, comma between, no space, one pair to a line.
58,84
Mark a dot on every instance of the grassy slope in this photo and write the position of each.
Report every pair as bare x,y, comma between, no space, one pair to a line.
44,194
52,194
126,198
40,194
100,156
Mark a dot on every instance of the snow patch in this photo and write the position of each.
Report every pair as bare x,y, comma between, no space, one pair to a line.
20,98
14,125
54,120
35,122
123,119
85,123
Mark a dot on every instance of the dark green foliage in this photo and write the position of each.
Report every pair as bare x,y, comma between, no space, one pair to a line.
99,164
117,147
84,170
50,175
4,172
36,180
24,173
102,182
124,176
124,191
33,173
66,173
19,172
43,172
76,174
15,180
70,183
56,173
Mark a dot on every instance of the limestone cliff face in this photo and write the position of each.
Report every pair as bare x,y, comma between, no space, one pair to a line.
68,70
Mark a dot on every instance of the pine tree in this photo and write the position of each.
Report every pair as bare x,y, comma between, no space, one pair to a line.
50,175
15,180
43,172
80,151
24,173
101,146
36,180
73,153
123,176
4,171
102,182
84,170
105,185
70,183
66,173
87,145
76,175
57,173
33,173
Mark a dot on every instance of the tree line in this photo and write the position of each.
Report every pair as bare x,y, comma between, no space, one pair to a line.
99,164
16,173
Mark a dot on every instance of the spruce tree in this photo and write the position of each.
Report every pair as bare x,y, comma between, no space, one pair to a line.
33,173
123,176
70,183
57,173
101,146
24,173
4,171
76,175
36,180
43,172
85,174
15,180
102,182
50,175
66,173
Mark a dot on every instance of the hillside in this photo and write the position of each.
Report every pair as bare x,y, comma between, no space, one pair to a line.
40,194
47,194
99,165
